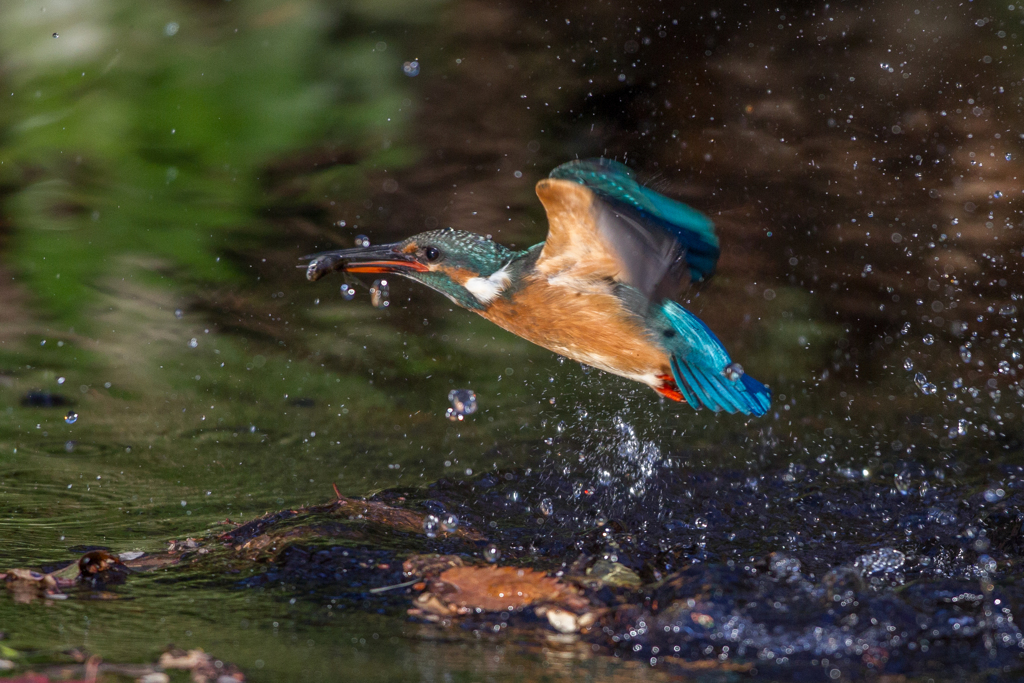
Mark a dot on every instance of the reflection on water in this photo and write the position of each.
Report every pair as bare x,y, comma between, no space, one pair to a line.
161,168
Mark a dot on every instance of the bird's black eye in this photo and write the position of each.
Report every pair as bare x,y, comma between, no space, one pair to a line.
432,253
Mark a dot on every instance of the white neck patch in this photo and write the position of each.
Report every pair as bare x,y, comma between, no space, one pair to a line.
487,289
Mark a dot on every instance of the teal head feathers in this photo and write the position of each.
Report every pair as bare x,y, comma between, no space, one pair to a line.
464,266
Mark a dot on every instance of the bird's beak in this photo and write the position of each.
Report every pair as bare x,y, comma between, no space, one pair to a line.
384,258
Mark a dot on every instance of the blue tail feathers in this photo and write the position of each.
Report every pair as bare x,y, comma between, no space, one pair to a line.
615,184
703,371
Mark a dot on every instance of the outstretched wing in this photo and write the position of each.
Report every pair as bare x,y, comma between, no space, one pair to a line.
604,224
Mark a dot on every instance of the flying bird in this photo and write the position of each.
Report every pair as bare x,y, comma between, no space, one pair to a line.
598,290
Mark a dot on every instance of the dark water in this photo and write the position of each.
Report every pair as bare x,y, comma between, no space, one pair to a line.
162,168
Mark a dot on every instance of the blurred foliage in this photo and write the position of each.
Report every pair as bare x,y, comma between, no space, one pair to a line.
140,131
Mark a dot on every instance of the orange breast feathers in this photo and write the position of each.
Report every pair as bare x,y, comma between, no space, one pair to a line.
585,323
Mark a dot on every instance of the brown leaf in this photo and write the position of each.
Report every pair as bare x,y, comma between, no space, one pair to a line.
27,585
97,561
496,589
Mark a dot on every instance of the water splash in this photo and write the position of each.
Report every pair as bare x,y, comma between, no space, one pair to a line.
733,371
926,387
380,294
965,354
431,525
463,401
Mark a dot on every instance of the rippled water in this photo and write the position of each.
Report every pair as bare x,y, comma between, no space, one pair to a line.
164,366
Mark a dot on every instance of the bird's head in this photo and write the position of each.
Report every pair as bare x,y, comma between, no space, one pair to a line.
466,267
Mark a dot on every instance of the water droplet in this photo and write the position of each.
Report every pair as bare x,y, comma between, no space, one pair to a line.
920,380
60,380
380,294
193,342
902,480
178,313
171,28
57,35
347,293
1004,367
71,418
881,561
1015,354
1008,157
340,224
965,354
928,389
547,508
492,554
700,523
450,523
454,416
411,69
431,525
997,194
994,495
463,401
362,241
950,396
908,364
961,427
733,371
928,339
906,328
958,382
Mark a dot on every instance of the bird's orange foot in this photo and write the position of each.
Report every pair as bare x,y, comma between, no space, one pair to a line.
668,388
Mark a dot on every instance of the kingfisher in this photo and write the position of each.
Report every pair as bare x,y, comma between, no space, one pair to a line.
599,290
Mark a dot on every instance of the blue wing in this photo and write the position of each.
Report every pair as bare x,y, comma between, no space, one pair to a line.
641,220
703,371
